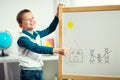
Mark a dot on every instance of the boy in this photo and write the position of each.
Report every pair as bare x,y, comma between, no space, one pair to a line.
30,60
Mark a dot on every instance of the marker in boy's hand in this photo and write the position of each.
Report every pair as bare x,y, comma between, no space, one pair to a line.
62,51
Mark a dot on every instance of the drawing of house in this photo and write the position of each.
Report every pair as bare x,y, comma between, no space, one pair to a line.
75,53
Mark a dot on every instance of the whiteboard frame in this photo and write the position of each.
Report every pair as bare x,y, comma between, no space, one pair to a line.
62,10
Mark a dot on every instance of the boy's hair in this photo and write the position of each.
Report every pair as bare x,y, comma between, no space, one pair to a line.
20,14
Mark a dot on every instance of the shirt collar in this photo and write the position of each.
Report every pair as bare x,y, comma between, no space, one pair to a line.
33,36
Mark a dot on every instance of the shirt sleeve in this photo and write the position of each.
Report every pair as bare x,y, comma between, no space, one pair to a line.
34,47
51,28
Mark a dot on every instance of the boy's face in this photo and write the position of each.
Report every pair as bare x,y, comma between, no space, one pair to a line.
28,21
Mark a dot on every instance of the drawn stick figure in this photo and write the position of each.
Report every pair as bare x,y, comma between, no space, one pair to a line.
107,51
99,58
92,56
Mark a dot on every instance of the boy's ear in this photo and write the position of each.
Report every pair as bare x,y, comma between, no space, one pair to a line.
20,25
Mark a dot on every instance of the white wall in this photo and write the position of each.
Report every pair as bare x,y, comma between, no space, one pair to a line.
95,2
88,2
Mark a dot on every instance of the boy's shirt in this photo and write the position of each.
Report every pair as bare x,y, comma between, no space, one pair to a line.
30,46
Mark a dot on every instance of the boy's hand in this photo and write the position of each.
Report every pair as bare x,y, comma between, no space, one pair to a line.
57,13
61,51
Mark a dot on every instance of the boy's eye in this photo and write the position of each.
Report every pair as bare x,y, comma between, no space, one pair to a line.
26,19
32,17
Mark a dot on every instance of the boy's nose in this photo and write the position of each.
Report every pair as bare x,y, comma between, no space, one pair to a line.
31,19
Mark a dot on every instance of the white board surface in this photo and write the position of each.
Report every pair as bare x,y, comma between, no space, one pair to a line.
93,39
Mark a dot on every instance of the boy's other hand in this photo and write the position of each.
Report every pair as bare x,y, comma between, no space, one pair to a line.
61,51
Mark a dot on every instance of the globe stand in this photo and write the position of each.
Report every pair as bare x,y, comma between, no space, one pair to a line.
3,54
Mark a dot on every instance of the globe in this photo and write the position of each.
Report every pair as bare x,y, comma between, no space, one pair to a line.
5,41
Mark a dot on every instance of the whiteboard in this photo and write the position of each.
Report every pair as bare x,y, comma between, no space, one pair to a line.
93,39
